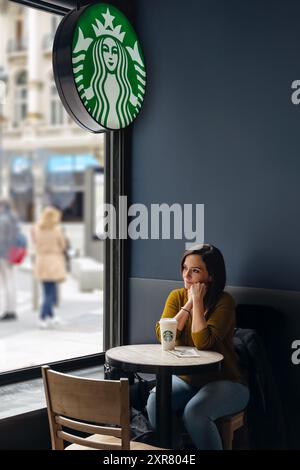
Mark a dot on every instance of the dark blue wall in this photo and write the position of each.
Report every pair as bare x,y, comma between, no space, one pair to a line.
218,127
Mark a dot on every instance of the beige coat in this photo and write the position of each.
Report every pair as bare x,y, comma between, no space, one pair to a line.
50,244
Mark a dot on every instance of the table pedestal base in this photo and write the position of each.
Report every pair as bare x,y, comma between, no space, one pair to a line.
164,409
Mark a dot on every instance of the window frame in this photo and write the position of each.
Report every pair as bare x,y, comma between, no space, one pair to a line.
117,145
116,251
44,6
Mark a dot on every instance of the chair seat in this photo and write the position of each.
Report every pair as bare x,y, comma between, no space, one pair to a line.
227,425
134,445
236,420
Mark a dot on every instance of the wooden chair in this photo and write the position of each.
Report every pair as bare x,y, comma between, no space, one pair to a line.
80,404
227,425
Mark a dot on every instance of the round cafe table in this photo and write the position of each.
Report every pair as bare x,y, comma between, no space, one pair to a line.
149,358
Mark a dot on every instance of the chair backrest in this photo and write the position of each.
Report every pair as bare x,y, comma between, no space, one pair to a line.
265,415
87,405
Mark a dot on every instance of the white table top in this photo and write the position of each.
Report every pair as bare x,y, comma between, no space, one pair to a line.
153,355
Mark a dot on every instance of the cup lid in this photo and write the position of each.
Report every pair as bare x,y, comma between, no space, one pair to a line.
172,320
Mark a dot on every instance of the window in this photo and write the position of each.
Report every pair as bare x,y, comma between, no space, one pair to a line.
91,318
21,186
57,112
97,201
20,29
20,98
66,186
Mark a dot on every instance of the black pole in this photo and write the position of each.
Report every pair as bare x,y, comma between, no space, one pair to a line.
164,409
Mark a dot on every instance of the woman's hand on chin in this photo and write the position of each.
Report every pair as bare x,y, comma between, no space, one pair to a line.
190,297
198,291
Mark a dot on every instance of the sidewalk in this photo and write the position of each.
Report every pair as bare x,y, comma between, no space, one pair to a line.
23,344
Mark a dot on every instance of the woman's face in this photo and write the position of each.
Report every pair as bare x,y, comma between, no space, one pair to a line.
194,270
110,54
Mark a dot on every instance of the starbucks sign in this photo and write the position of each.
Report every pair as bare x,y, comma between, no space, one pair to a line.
99,68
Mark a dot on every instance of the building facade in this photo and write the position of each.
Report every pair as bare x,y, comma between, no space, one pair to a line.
44,154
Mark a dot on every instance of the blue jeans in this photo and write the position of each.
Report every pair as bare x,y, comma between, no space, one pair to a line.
201,407
50,299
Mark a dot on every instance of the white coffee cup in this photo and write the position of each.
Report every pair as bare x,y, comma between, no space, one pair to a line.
168,329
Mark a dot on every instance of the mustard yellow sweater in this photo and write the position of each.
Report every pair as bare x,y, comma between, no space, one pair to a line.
217,336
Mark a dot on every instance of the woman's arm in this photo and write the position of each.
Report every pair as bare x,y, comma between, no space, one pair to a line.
198,292
174,310
183,315
185,312
220,322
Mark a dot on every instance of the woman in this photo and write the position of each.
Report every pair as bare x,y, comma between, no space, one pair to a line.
50,265
8,232
205,317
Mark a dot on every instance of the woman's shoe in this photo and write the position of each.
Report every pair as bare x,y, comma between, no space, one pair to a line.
43,324
8,316
55,321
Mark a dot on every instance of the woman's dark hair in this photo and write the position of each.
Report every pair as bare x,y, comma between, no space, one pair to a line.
214,262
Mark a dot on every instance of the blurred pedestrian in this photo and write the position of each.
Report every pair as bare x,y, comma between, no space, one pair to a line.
68,252
50,266
8,233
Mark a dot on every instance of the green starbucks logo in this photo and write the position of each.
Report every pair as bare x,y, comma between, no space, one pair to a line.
108,66
168,336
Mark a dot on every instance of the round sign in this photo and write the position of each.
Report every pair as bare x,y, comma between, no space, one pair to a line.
99,68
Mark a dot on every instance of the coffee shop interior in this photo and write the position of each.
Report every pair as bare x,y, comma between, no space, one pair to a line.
218,127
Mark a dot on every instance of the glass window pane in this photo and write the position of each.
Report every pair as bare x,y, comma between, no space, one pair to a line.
54,168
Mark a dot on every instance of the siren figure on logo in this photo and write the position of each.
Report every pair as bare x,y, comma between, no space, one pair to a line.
110,76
